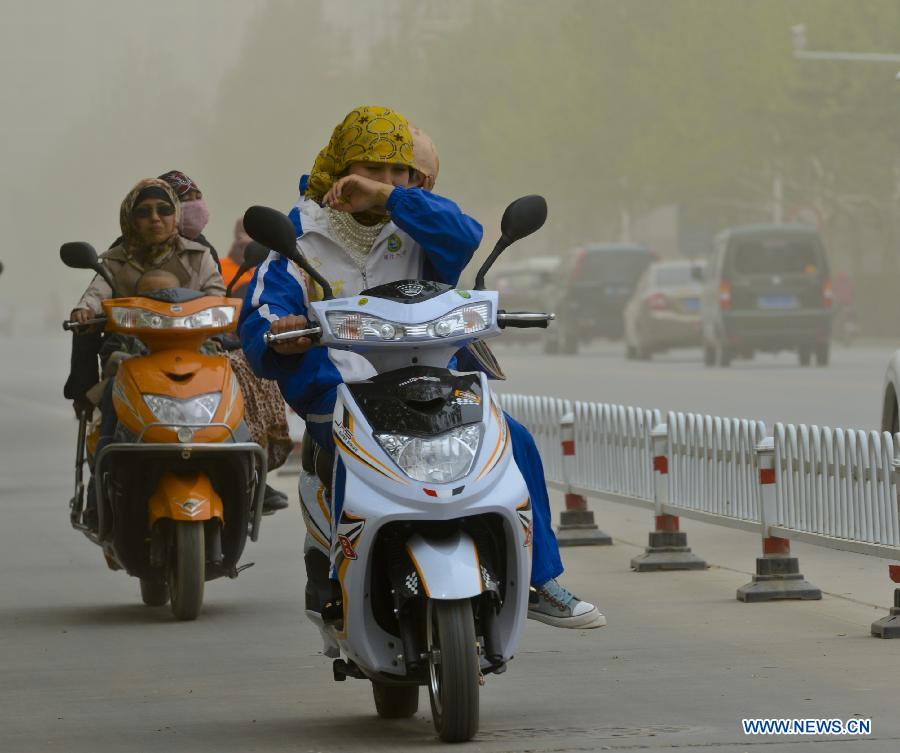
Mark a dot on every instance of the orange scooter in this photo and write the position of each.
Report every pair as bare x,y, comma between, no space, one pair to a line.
180,487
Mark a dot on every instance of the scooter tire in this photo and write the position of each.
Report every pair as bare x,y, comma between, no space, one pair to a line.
395,701
187,569
454,682
153,593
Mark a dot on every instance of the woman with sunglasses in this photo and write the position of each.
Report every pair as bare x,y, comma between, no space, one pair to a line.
150,244
149,218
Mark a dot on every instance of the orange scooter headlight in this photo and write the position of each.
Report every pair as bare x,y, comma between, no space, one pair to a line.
195,410
138,318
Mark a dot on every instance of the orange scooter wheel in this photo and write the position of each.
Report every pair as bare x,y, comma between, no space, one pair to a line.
187,569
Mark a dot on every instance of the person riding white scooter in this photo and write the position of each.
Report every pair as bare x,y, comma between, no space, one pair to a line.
363,227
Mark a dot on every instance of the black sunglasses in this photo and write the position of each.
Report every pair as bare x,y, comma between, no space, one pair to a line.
145,211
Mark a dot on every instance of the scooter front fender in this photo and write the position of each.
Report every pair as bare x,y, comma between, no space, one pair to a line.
447,568
185,496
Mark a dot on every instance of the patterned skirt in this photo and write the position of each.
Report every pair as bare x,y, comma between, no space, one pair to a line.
263,410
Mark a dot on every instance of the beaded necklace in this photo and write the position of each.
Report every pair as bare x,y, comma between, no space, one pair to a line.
355,238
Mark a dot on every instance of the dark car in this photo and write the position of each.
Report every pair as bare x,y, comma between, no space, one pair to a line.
767,289
592,286
664,311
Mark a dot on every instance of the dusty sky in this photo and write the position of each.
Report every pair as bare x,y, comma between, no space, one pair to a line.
61,62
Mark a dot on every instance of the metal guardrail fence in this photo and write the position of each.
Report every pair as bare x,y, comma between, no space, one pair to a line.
833,487
542,416
713,467
837,488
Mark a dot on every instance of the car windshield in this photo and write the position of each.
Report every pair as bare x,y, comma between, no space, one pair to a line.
616,266
761,256
673,277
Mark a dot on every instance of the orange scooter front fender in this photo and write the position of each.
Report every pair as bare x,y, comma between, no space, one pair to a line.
187,496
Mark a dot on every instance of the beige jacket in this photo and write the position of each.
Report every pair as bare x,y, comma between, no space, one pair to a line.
192,263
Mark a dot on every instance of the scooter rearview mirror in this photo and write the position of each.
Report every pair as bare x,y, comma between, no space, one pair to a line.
521,218
78,255
274,230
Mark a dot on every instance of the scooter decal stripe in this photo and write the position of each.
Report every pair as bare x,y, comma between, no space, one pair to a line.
320,498
418,571
375,460
504,438
358,459
311,529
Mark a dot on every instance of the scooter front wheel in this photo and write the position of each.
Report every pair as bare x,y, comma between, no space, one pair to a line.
187,569
453,669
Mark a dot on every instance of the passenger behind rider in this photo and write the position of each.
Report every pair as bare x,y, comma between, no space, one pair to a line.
148,218
194,211
361,225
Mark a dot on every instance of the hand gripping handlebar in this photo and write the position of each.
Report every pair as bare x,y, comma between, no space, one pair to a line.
270,337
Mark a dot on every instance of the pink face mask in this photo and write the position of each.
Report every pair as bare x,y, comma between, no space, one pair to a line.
194,217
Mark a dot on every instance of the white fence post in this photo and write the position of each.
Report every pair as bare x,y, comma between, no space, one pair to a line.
777,573
576,522
668,549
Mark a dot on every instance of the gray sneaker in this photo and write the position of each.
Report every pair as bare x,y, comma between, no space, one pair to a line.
553,604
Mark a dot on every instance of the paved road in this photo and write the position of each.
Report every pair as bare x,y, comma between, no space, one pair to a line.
85,667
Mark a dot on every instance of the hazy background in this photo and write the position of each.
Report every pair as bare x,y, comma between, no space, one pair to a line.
660,120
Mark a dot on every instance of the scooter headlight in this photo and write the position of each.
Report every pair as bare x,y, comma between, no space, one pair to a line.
435,460
215,317
195,410
465,320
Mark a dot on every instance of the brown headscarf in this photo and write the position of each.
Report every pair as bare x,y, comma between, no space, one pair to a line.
132,241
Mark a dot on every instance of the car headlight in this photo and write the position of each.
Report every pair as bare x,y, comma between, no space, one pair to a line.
436,460
195,410
352,325
135,318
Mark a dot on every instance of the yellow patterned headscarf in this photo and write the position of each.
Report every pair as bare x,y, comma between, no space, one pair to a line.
367,134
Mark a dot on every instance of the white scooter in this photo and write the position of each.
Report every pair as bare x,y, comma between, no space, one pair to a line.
428,526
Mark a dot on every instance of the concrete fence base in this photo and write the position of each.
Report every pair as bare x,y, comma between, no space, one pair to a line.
667,550
889,627
777,576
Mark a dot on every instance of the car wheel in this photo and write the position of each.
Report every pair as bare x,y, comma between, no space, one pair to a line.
804,356
823,354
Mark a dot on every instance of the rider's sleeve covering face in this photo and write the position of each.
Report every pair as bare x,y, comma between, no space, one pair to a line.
447,235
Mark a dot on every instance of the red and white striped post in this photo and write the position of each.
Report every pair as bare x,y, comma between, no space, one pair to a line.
777,573
576,522
889,627
668,549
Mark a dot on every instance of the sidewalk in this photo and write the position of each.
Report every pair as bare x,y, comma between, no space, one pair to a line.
683,657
